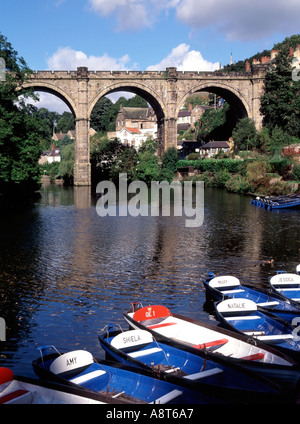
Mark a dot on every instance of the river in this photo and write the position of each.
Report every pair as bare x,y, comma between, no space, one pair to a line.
66,272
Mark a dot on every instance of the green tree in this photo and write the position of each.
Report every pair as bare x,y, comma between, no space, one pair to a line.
66,166
211,120
169,164
125,162
103,153
147,168
20,130
280,104
65,122
101,117
245,135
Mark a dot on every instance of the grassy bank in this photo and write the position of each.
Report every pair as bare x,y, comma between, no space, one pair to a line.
250,175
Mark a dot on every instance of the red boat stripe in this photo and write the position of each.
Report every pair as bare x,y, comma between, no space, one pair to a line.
166,324
254,357
210,344
12,395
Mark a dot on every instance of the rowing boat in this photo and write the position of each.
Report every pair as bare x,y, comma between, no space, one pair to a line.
242,315
114,382
196,336
287,285
21,390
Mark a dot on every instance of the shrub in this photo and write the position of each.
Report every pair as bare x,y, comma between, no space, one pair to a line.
221,178
296,172
239,184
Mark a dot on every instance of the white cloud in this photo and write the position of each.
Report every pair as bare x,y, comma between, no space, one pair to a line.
185,59
51,102
240,20
132,14
67,59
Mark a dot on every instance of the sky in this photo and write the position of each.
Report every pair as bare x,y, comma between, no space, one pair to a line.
192,35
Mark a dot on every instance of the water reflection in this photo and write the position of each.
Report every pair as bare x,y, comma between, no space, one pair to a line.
65,272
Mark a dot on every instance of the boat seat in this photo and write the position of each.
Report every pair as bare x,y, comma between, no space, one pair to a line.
254,357
232,291
213,343
244,318
276,337
289,289
273,303
87,377
168,396
203,374
253,333
144,352
166,324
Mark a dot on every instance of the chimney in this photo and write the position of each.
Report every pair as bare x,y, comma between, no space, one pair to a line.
274,53
247,66
256,62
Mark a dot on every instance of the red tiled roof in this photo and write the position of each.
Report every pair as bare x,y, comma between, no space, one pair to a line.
133,130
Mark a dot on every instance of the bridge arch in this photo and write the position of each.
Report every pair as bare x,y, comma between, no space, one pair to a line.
234,97
55,91
149,95
146,93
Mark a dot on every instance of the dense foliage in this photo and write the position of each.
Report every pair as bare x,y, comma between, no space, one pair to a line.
280,104
20,129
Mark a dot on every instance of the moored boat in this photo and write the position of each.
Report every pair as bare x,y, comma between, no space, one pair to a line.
115,382
197,372
19,390
287,285
277,202
196,336
242,315
227,286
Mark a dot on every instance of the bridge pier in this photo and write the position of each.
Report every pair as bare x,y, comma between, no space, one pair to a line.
82,166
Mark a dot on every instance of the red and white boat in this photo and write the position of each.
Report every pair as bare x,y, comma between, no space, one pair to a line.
16,390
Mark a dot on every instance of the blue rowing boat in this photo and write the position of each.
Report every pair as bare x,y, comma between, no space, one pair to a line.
287,285
199,373
243,316
228,287
115,383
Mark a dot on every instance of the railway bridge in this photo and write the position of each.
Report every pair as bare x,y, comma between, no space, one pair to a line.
166,92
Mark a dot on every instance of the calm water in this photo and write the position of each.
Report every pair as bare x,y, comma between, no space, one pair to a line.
65,272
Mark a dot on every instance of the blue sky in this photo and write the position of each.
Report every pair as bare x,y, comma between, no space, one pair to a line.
144,34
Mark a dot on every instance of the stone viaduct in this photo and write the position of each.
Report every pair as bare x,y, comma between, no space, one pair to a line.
165,91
